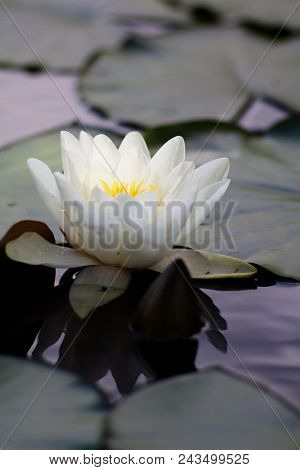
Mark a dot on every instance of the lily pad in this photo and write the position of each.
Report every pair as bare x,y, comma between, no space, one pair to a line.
46,409
18,197
208,73
264,194
162,81
205,265
95,286
264,12
28,309
210,410
62,35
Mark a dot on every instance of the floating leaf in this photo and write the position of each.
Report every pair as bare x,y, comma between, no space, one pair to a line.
202,265
25,293
59,411
25,226
206,73
18,196
33,249
60,38
262,12
62,35
95,286
210,410
161,81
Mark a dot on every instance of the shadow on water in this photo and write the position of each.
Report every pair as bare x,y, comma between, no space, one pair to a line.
141,337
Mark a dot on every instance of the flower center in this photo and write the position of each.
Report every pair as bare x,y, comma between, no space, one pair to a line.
132,189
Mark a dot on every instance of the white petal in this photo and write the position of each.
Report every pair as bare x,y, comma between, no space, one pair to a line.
69,143
100,232
67,191
71,151
158,239
204,204
133,214
76,214
177,178
87,143
131,140
160,236
105,151
47,188
133,166
138,259
152,247
177,213
98,195
135,245
168,156
31,248
76,178
211,172
96,173
147,198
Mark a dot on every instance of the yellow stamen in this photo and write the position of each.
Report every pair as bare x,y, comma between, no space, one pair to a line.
133,189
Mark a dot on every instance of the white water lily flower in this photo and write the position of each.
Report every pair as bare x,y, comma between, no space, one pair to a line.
100,178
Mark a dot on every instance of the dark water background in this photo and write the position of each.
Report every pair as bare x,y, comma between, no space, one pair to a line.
263,336
262,341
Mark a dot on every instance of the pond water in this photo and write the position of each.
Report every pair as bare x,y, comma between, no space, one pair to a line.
261,341
263,336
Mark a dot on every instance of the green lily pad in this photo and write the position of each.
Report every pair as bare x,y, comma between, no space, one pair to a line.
18,196
264,193
264,12
63,34
45,409
210,410
208,73
162,81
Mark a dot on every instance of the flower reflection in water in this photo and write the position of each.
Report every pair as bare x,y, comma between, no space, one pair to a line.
110,348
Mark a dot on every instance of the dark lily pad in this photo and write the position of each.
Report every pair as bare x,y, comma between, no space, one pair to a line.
210,410
162,81
46,409
208,74
62,35
262,12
